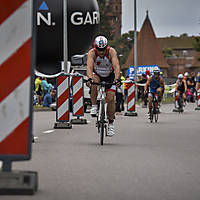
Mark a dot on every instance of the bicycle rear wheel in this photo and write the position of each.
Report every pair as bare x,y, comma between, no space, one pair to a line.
151,115
102,121
156,116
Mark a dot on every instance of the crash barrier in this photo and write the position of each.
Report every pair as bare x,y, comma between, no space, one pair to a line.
198,99
16,97
131,107
78,100
62,102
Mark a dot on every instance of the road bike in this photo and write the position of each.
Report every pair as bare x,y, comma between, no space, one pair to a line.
102,123
154,110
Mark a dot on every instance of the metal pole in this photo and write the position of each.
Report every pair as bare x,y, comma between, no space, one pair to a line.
135,47
65,37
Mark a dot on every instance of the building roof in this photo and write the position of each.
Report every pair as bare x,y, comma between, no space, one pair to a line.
148,48
177,42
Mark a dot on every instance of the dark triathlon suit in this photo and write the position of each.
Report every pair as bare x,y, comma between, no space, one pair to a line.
104,70
181,87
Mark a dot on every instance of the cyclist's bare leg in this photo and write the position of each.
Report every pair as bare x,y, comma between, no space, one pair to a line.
110,95
184,97
160,93
149,101
94,91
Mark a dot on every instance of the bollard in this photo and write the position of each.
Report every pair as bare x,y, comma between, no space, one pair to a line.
131,111
62,103
198,99
78,100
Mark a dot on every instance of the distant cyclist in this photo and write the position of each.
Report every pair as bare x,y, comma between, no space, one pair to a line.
181,87
156,85
198,81
103,65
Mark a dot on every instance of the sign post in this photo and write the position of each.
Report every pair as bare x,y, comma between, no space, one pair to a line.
16,69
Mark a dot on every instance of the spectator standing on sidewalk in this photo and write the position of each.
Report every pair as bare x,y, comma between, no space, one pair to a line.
45,86
120,97
38,90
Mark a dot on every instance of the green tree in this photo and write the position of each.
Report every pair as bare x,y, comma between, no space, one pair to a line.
167,52
197,45
123,45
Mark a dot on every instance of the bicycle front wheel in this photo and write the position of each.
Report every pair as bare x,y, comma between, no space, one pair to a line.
102,121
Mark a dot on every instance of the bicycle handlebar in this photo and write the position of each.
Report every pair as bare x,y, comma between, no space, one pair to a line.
103,83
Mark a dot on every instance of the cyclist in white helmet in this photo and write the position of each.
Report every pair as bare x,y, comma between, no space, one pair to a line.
181,87
103,65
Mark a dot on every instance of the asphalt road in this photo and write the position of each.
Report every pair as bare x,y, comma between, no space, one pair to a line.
143,161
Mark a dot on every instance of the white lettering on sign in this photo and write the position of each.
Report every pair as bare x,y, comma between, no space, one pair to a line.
46,20
78,19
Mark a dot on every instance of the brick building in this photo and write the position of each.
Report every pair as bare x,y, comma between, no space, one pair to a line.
149,48
116,17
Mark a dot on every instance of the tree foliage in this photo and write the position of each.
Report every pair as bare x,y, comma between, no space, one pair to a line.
197,45
168,52
123,46
105,19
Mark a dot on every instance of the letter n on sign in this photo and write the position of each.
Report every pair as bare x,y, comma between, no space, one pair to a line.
16,69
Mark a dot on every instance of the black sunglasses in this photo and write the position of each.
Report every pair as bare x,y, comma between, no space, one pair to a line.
101,49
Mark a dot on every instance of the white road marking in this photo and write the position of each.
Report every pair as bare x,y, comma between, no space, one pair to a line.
49,131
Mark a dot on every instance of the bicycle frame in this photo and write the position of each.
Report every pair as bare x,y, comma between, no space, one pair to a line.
154,108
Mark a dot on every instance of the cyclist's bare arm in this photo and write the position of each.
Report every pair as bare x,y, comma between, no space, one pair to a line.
185,85
90,63
147,83
162,84
176,88
115,62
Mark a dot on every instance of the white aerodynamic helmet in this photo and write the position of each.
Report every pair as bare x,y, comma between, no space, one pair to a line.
186,74
100,42
180,76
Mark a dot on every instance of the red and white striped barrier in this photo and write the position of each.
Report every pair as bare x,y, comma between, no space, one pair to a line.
198,99
15,81
131,100
77,101
131,97
62,111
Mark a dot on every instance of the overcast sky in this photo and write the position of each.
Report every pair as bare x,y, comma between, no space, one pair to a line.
168,17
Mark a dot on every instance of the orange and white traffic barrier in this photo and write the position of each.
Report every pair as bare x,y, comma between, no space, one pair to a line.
15,81
63,100
131,104
78,100
198,99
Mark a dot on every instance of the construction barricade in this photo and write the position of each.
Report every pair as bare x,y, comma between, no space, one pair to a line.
198,99
16,91
131,104
78,100
62,102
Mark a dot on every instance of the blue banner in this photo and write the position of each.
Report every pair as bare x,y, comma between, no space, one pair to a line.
141,69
